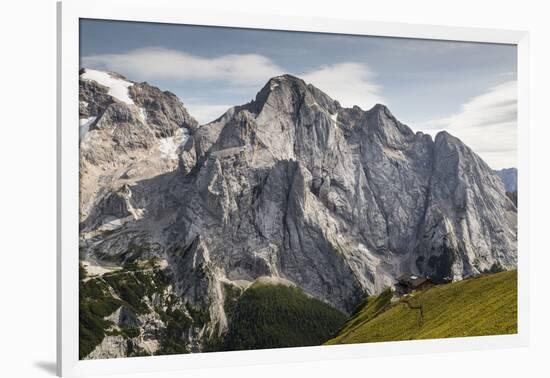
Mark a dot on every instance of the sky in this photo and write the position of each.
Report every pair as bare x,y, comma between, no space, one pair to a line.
468,89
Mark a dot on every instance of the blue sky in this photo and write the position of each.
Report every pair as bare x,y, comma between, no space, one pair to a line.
468,89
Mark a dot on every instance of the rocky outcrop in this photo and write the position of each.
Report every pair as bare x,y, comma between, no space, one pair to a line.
128,131
338,201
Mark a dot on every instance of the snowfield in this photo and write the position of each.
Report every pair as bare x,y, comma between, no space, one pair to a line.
118,88
143,114
84,126
168,147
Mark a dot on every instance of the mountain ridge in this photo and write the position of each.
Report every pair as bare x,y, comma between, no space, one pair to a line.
338,201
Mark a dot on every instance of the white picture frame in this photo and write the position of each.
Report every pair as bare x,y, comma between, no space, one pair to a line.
160,11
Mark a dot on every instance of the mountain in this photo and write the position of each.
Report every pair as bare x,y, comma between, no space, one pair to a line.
509,177
293,186
487,306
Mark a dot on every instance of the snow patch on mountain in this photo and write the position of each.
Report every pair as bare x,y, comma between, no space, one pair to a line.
168,147
118,87
85,126
143,114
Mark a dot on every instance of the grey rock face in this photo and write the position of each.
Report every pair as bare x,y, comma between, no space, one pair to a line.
130,136
162,110
337,201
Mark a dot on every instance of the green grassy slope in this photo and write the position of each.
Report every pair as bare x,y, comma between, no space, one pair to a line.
275,316
485,305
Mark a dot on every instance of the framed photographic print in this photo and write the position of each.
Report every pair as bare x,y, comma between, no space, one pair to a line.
277,189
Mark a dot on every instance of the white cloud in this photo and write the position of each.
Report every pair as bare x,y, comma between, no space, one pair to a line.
487,123
349,83
159,64
205,113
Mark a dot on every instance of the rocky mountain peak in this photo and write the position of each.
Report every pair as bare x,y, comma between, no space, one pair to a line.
452,150
381,109
444,137
285,80
338,201
128,131
289,93
380,121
